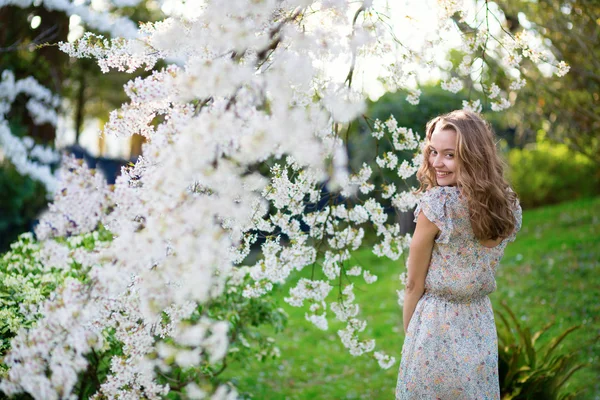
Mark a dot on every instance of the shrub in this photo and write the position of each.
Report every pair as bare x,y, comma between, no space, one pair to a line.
22,200
530,371
548,173
32,271
25,281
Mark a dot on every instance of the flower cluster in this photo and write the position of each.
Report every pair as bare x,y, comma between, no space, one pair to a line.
119,53
474,106
30,159
562,68
454,85
385,361
402,139
21,153
82,186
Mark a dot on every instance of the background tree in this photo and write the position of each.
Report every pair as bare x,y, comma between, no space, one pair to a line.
567,109
28,37
21,30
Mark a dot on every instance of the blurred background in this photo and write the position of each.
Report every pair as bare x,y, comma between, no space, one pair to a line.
550,141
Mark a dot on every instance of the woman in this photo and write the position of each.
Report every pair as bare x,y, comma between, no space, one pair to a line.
465,219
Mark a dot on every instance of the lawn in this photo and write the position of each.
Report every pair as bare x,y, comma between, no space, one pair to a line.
550,273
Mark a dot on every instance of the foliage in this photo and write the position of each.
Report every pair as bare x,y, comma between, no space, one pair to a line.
47,65
248,320
28,277
546,173
434,101
526,371
22,199
567,108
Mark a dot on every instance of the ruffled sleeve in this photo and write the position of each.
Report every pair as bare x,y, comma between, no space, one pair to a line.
434,204
518,214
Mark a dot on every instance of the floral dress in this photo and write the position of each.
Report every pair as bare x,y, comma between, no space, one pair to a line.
450,350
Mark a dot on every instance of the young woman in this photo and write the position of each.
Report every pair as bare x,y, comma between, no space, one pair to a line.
465,219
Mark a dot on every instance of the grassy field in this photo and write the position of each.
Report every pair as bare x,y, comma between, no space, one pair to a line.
551,273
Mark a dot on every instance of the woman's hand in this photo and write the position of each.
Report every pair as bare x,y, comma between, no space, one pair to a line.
419,257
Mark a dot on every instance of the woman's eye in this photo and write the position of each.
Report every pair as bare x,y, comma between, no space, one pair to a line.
434,152
450,155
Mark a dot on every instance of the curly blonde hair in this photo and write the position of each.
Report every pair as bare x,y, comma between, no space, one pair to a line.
480,173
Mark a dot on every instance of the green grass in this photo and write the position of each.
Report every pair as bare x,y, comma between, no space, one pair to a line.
550,273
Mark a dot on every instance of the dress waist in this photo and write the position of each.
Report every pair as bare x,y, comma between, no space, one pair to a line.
455,299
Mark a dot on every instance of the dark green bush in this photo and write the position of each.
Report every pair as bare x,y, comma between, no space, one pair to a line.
527,370
547,173
22,200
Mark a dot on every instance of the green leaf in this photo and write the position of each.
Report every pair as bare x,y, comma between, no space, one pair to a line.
539,333
568,375
556,341
529,346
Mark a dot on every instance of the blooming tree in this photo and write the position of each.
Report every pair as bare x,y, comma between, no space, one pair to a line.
246,132
43,105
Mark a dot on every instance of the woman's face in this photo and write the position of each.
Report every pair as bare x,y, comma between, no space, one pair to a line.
442,156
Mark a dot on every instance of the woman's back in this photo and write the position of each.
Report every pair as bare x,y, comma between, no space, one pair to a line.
461,268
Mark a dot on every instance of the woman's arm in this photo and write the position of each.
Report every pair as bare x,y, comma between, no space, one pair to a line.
418,263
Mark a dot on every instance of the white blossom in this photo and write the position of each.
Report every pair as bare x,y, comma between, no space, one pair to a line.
405,201
388,191
501,104
464,68
414,97
517,84
344,105
389,160
385,361
378,130
308,290
400,294
494,91
369,278
562,68
403,277
320,321
513,59
354,271
406,170
29,159
473,106
454,85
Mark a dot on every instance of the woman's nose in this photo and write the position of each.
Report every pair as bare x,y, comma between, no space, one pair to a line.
437,161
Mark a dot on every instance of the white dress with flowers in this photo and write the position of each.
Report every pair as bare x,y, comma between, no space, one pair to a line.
450,350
